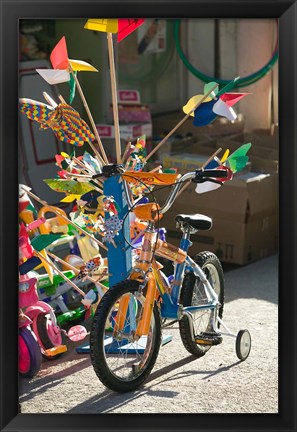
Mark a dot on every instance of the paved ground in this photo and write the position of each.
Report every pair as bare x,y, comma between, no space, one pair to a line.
215,383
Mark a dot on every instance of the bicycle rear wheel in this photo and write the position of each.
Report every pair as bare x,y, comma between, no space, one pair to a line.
193,294
121,362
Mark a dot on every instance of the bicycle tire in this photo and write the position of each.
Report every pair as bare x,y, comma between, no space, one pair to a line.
30,357
206,260
102,357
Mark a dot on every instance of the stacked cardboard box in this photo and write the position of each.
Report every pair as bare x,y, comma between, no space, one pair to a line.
134,121
244,213
244,210
264,153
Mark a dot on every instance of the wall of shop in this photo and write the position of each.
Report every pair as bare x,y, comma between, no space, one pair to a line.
244,47
222,48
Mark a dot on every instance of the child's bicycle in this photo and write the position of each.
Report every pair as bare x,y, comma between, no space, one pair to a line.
126,333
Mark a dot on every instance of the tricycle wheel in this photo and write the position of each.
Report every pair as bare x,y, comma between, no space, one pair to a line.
49,334
29,353
243,344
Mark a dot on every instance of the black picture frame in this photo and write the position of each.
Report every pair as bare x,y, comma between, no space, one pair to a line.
11,12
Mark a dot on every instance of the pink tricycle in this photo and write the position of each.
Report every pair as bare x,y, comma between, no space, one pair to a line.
37,320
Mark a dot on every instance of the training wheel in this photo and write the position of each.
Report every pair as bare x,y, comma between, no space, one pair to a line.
243,344
77,333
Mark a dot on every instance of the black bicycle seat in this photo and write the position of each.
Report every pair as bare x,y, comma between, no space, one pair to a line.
196,221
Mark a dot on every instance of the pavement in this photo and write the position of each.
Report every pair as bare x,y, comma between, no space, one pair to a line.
180,383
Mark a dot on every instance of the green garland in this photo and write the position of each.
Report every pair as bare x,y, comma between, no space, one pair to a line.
242,82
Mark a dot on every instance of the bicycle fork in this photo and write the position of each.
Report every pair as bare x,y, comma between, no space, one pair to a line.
145,275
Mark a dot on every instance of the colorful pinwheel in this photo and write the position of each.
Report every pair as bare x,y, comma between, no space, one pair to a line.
233,164
219,103
61,64
71,187
122,26
64,120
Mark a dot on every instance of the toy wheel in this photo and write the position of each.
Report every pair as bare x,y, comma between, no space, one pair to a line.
49,334
243,344
193,294
29,354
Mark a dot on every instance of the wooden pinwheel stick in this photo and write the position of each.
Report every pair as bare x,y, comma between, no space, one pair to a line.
114,97
104,160
87,170
127,149
62,99
183,188
181,122
76,271
44,203
49,100
41,257
211,157
156,169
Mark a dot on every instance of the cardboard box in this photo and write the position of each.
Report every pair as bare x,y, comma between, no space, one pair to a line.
133,113
244,213
185,162
220,127
263,154
128,97
234,242
127,132
178,146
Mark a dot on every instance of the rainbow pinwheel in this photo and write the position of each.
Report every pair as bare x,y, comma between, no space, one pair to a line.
219,103
233,164
61,64
64,120
122,26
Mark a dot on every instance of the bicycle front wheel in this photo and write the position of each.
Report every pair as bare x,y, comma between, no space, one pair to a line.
121,362
193,294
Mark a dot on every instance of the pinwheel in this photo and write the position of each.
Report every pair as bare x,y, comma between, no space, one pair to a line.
64,120
24,201
28,259
62,64
89,267
238,159
64,69
69,187
136,159
123,27
111,228
233,164
218,104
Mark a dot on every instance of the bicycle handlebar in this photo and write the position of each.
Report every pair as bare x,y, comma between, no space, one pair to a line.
197,176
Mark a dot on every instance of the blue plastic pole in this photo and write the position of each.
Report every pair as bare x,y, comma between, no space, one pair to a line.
119,258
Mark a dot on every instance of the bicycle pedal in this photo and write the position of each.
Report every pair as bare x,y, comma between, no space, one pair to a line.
52,352
209,338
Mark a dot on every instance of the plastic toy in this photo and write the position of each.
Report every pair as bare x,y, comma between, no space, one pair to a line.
42,316
30,358
39,315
